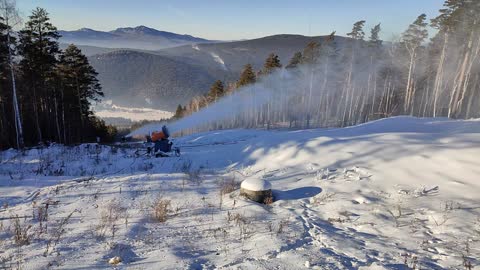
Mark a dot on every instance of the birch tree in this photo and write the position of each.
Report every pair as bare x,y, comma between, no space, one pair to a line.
11,19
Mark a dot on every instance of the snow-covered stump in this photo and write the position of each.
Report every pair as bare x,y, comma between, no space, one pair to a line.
257,190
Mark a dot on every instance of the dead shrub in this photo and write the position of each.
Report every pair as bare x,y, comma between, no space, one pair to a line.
109,216
281,226
21,231
228,186
323,198
192,174
161,208
268,200
396,216
57,232
410,260
237,218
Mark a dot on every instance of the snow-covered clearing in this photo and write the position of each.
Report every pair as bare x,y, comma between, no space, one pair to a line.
391,194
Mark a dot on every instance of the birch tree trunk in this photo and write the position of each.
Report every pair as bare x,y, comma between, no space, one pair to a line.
16,110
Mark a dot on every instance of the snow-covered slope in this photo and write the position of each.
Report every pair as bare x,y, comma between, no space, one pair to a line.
390,194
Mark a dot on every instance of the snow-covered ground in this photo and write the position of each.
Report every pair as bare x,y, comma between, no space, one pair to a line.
397,193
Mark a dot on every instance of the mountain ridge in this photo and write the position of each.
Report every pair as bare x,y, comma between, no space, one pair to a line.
139,37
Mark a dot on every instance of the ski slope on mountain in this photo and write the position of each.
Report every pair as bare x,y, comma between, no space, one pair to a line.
398,193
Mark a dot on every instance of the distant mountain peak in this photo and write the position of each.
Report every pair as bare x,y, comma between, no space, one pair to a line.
141,29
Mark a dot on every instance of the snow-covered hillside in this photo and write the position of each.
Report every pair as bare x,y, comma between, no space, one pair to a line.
397,193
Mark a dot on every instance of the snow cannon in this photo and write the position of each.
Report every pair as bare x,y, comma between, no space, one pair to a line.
164,134
162,146
257,190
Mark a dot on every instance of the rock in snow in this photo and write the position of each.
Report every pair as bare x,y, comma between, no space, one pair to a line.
256,184
257,190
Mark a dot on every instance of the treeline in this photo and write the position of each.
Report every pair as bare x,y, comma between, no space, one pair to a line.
45,93
364,78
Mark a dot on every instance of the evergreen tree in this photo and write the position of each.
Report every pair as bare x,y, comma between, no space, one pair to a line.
271,63
216,91
357,31
295,60
56,89
375,40
38,48
311,53
80,87
459,31
458,15
179,112
247,77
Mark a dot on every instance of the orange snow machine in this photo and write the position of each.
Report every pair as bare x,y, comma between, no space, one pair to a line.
162,145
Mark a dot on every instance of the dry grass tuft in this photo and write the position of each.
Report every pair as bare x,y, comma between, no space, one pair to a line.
161,208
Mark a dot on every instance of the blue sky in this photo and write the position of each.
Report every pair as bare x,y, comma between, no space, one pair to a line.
229,19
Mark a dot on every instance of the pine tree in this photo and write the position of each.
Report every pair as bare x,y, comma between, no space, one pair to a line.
351,58
357,31
459,26
375,40
412,39
328,52
80,88
216,91
247,77
271,63
295,60
375,53
179,112
39,48
311,53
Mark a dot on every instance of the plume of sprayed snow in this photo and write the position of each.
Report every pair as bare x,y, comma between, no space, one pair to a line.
219,60
195,47
225,108
275,89
248,98
231,105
